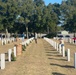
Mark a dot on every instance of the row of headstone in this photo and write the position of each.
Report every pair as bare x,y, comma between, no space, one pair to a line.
14,49
8,40
2,56
69,40
27,41
61,50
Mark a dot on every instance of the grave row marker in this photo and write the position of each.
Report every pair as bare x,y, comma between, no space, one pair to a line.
2,56
61,49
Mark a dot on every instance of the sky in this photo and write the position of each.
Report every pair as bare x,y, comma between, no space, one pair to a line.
52,1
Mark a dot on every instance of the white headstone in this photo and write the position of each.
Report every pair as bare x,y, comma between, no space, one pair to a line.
70,40
9,55
15,51
55,45
2,61
68,54
2,41
59,48
75,60
63,51
5,41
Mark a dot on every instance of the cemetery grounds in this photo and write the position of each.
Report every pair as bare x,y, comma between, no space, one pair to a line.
39,59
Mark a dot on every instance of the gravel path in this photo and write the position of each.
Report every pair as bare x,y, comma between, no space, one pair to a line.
39,59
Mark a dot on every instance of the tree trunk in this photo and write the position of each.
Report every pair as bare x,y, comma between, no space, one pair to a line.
27,32
47,30
6,33
74,34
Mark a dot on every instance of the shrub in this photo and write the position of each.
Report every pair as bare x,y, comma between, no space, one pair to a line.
50,35
23,47
26,44
30,41
13,58
65,53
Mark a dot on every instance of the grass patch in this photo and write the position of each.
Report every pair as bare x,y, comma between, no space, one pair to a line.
13,58
23,47
26,44
65,53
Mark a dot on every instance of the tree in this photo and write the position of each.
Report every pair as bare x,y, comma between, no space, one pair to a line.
68,9
29,16
8,13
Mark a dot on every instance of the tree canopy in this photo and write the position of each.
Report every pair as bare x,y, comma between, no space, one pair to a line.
20,16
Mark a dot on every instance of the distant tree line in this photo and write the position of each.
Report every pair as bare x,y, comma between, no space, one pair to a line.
18,16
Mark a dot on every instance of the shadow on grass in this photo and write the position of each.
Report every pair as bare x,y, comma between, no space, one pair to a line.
58,59
55,73
6,59
64,66
47,46
54,55
48,49
6,56
54,52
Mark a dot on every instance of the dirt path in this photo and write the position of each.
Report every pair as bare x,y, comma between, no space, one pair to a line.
39,59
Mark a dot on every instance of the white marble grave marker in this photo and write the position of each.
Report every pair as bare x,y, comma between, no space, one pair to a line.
55,45
75,60
2,41
2,61
70,40
15,51
5,41
9,55
59,48
63,51
68,54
